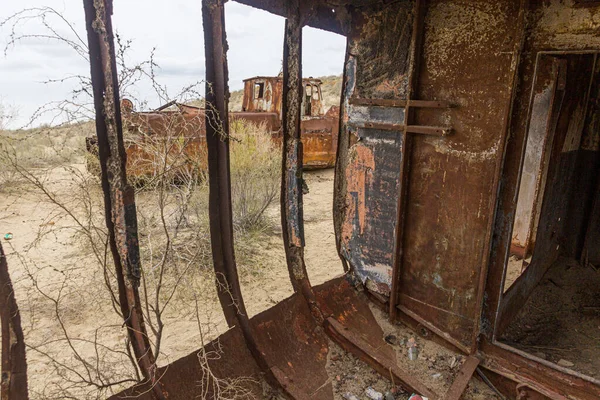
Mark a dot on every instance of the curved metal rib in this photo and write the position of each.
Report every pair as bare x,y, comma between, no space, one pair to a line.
292,219
220,210
119,201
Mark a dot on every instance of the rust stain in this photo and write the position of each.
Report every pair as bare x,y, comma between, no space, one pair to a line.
358,175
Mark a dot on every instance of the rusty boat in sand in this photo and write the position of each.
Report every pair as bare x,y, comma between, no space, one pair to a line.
178,131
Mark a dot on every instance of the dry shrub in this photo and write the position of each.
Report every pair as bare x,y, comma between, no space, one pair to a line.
174,237
40,148
255,174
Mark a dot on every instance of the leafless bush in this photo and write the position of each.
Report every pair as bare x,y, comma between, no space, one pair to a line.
176,260
85,352
7,114
172,204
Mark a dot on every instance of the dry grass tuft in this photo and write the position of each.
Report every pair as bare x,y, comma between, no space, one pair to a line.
255,174
40,148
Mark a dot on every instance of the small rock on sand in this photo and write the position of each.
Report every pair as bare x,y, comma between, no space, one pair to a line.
565,363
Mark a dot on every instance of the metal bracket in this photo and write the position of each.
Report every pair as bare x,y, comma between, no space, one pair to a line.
419,129
356,101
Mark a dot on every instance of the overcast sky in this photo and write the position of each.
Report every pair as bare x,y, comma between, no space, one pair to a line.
173,27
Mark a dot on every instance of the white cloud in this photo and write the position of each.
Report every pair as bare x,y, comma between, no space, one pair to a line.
174,30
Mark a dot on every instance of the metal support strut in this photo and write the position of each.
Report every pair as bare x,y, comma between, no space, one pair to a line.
119,200
292,218
13,384
220,211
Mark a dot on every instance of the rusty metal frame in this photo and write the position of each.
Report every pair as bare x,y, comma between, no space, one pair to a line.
357,101
292,215
497,261
217,131
339,181
552,382
220,208
405,129
119,200
545,378
484,279
512,301
13,383
462,380
398,252
120,205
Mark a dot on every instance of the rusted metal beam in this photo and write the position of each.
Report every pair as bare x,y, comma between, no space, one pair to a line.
429,130
418,129
552,381
462,379
13,384
375,358
491,280
398,253
119,201
341,158
356,101
220,209
217,140
292,219
321,16
379,125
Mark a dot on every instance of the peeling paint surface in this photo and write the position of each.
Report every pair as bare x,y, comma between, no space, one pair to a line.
449,204
372,183
379,49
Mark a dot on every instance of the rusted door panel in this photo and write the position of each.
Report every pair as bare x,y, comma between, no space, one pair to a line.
559,224
535,165
451,179
378,49
450,197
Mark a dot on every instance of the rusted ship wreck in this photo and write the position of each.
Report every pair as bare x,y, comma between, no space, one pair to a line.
178,130
469,143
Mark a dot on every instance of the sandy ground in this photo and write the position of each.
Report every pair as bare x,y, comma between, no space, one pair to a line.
63,270
322,261
84,306
514,269
560,322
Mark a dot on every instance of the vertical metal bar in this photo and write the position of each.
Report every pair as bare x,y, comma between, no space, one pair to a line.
398,254
217,140
341,157
292,219
13,384
119,200
220,210
488,273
